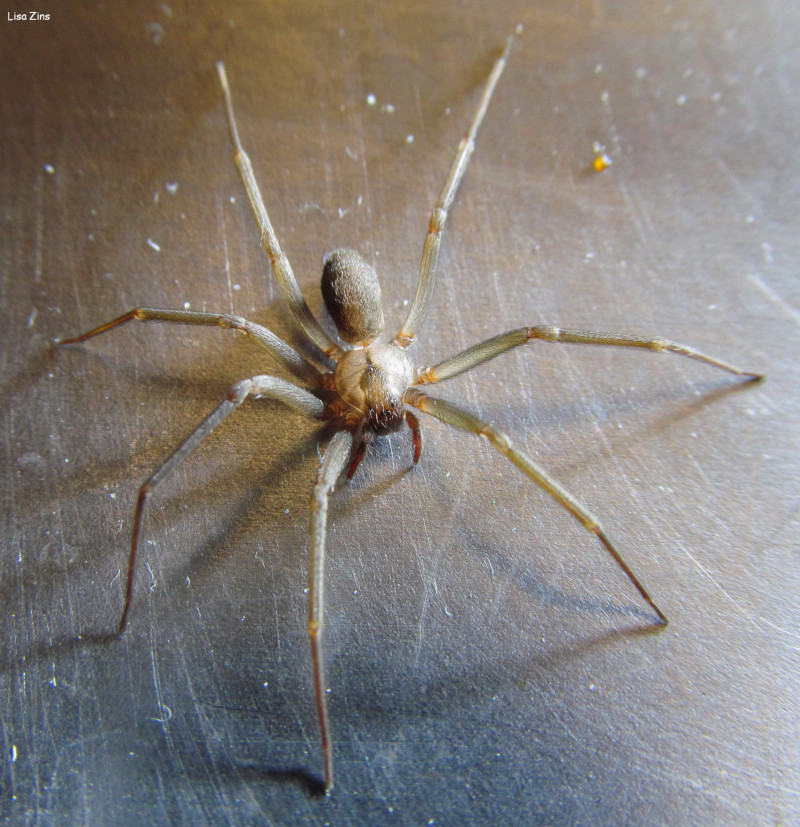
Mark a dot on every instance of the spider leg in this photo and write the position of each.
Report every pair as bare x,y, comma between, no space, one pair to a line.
366,436
333,462
362,439
269,241
258,386
453,415
416,435
483,352
430,251
278,349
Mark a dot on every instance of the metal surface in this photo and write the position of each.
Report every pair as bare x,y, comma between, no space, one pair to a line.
486,659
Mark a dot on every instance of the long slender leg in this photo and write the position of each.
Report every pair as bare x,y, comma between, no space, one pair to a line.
416,435
366,436
258,386
453,415
430,251
333,463
362,442
279,350
269,241
483,352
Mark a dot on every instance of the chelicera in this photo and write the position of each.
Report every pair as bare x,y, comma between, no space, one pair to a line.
373,384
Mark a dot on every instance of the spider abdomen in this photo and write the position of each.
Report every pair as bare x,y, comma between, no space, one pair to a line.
374,381
352,296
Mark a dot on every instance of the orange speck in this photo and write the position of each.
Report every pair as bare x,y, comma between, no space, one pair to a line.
601,162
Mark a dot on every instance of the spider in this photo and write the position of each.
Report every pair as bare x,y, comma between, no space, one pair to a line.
369,384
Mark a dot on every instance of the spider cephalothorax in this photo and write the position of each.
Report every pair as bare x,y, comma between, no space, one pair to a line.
373,381
373,385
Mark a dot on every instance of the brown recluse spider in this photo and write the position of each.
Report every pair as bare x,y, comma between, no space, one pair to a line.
367,392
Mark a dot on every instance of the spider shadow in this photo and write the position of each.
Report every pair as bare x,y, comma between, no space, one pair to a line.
28,376
518,571
60,646
667,407
667,417
511,670
709,395
311,784
512,664
235,525
43,581
549,594
389,701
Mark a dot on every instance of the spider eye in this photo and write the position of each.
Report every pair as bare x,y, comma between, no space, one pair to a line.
352,296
